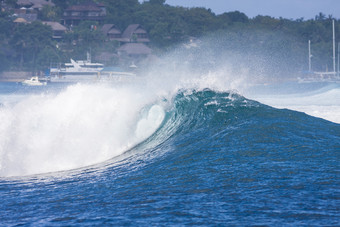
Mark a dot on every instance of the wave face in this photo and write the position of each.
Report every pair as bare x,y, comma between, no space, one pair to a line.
195,157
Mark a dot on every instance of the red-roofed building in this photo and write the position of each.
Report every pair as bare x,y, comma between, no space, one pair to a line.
35,4
87,11
112,32
57,29
135,33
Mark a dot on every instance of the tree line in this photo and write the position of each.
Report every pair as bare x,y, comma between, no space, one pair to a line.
284,42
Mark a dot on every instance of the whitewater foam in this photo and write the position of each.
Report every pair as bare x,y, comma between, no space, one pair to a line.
81,126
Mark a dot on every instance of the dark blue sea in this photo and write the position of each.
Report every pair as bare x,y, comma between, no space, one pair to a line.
106,154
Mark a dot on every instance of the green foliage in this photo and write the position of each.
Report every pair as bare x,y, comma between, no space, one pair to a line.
267,22
28,40
4,61
237,16
121,12
11,2
62,4
88,34
157,2
49,13
201,21
166,25
47,55
5,28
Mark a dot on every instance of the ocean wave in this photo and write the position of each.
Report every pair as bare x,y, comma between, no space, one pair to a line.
85,125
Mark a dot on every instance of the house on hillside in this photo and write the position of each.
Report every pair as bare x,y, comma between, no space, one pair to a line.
112,32
135,33
87,11
20,20
57,29
34,4
132,41
28,14
27,10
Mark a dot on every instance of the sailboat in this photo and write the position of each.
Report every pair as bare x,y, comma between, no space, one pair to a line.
332,76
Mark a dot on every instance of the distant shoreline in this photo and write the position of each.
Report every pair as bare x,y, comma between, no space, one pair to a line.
14,76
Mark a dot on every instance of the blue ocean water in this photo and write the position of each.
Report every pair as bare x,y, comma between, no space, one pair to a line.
85,155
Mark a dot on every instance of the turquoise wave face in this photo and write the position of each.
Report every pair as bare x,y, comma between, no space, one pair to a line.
227,159
219,113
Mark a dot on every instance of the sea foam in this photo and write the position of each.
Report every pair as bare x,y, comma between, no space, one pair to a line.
80,126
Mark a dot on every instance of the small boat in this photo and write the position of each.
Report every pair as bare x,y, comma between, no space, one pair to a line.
33,81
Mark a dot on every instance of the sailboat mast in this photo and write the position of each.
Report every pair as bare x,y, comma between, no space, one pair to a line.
338,58
309,58
333,47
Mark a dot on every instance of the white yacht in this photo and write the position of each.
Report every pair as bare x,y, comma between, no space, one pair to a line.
76,71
